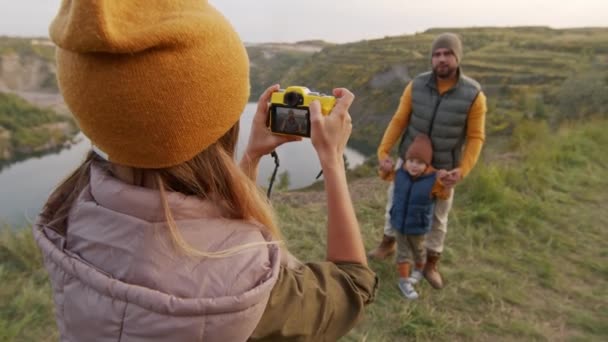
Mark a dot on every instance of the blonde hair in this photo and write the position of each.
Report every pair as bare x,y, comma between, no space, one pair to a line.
211,175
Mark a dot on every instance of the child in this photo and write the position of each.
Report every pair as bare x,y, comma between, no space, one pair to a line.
416,187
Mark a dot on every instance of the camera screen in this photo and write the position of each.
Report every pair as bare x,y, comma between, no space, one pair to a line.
289,120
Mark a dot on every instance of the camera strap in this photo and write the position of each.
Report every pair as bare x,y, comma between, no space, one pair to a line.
345,167
276,168
274,173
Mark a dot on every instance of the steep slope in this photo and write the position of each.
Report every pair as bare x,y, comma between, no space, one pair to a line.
27,130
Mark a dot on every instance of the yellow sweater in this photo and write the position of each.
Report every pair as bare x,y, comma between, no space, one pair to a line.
475,135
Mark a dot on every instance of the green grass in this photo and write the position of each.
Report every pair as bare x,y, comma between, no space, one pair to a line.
26,303
525,257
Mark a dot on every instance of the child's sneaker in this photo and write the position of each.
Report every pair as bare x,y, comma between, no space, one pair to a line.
415,277
407,289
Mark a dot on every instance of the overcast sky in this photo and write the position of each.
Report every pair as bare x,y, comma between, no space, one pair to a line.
348,20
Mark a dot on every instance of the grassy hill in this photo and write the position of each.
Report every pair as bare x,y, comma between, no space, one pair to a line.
526,255
270,61
525,258
525,71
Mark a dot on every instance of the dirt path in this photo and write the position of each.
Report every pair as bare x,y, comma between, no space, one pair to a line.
359,189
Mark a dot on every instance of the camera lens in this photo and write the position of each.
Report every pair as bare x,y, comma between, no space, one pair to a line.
292,99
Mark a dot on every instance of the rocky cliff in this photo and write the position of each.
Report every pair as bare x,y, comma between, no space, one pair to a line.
33,117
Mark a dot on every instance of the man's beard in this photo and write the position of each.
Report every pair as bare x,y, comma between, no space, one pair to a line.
444,71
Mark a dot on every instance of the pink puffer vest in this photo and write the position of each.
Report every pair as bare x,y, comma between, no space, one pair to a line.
116,276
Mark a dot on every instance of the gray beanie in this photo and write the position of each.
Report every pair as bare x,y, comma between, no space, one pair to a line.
448,41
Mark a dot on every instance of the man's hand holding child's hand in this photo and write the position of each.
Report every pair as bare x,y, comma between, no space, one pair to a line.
449,178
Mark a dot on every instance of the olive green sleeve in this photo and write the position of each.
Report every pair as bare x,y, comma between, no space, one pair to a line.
316,302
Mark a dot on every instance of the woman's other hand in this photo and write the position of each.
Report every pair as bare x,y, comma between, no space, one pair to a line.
261,140
330,133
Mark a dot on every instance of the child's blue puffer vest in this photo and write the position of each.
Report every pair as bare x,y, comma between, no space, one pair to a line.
412,211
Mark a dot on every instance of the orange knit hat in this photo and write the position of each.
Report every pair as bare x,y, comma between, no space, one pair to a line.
152,83
421,148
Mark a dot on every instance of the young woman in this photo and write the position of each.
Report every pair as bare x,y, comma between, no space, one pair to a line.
160,235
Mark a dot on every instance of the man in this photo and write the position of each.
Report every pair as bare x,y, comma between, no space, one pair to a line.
291,124
450,108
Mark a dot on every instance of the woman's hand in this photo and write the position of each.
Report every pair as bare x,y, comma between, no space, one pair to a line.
261,140
329,134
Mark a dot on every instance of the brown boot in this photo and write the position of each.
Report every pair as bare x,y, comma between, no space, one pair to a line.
431,274
384,249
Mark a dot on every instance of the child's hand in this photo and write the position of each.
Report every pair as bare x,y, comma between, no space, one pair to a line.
386,175
441,174
386,165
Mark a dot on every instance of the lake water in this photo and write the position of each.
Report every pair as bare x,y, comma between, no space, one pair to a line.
25,185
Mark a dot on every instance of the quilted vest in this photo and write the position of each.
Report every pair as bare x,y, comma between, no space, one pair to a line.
442,117
412,211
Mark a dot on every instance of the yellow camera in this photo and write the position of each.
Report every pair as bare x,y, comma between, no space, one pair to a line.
289,112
